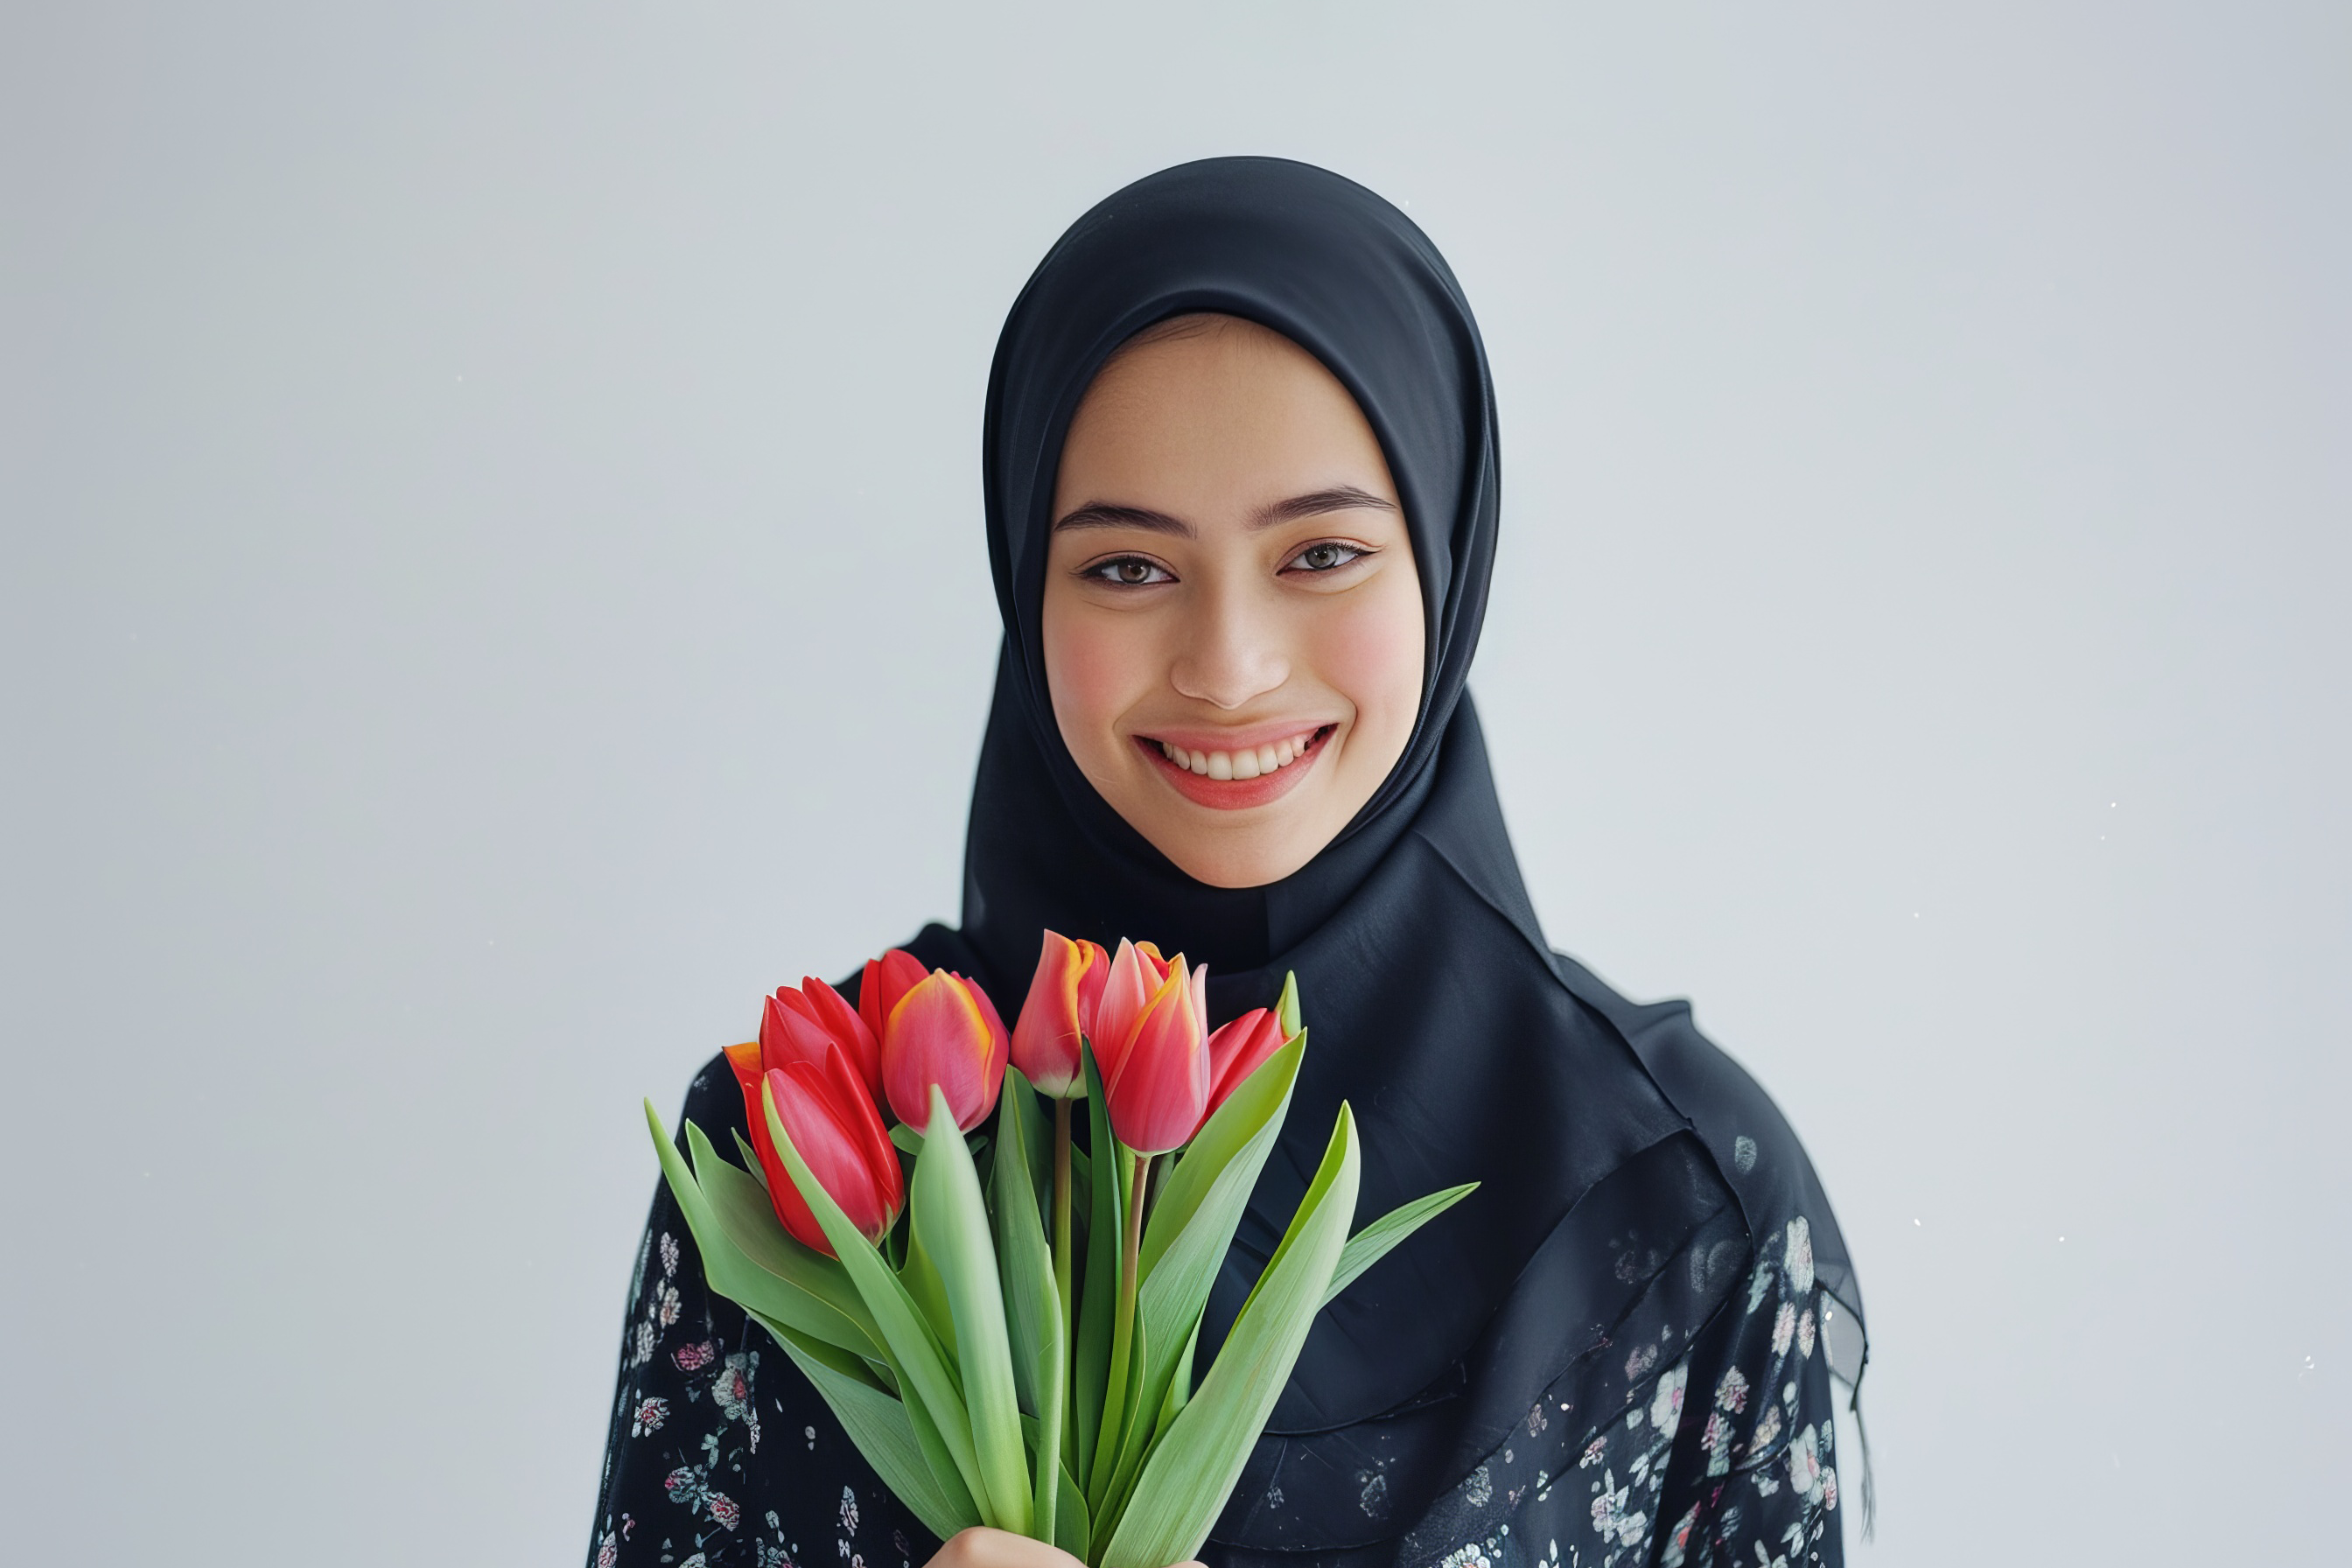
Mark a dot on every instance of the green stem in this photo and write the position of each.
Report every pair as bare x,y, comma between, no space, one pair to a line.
1131,1250
1063,1250
1115,1415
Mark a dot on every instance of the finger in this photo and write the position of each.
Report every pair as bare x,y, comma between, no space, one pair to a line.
980,1547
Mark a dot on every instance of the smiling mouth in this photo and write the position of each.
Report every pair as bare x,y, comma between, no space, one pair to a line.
1244,762
1239,777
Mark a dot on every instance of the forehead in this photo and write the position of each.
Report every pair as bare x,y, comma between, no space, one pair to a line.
1196,353
1216,404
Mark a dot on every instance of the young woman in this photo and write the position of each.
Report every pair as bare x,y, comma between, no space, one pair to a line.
1241,487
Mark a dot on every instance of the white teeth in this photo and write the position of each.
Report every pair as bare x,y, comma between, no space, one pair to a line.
1248,764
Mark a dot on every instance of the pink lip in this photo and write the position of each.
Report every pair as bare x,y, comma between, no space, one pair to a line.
1233,794
1236,740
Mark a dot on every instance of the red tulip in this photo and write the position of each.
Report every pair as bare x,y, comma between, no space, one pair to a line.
1061,1006
801,1025
1239,1049
943,1030
826,1109
1156,1067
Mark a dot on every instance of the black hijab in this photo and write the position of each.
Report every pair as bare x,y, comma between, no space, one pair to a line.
1626,1166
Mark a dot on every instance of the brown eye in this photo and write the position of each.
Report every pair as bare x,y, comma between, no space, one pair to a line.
1129,572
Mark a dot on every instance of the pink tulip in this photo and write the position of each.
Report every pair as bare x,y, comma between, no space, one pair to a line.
1063,999
1239,1049
1136,973
943,1031
1156,1067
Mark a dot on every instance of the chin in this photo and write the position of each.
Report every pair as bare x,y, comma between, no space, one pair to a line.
1267,858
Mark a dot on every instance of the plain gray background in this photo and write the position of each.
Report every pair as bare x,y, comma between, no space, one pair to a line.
492,581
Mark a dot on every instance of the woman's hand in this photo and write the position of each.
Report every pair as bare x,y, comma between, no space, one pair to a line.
983,1548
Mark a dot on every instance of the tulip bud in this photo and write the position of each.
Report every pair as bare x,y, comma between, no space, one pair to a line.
1239,1049
1156,1078
1060,1008
943,1030
833,1124
803,1025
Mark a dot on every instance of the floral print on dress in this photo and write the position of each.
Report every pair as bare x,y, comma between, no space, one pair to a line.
1720,1459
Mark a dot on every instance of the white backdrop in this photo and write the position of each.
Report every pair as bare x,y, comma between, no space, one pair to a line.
491,580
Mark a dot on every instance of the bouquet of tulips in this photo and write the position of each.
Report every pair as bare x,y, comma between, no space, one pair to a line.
1005,1325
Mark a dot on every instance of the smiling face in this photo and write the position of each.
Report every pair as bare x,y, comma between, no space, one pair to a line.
1233,620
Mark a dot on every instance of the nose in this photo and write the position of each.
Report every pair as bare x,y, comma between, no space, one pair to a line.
1232,651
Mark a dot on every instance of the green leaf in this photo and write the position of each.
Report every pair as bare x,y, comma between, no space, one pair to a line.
1193,1470
1286,1009
1378,1239
1033,1309
1036,1145
1120,1452
906,1138
934,1444
1235,1141
951,1221
883,1432
1020,1230
1180,1387
789,1298
749,1218
1072,1531
1185,1242
925,1382
1099,1297
750,1158
924,1287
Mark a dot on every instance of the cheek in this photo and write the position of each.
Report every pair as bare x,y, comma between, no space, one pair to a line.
1096,668
1369,651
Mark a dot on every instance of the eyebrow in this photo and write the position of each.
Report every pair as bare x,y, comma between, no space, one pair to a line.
1102,514
1314,503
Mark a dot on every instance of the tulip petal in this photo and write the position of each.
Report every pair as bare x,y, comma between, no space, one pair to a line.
1127,991
885,983
1159,1090
943,1032
745,1061
1044,1044
841,1021
790,1032
998,1041
826,1109
1090,983
1239,1049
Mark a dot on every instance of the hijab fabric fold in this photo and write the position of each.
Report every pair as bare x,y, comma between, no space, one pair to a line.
1467,1048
